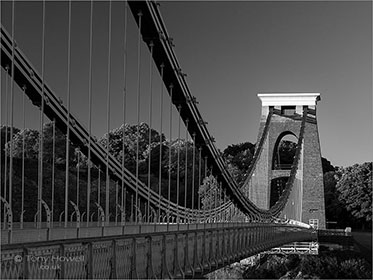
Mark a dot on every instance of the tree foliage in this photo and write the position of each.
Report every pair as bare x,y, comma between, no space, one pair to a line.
239,155
335,210
348,190
355,189
162,168
210,193
133,139
5,137
326,265
238,158
31,144
326,165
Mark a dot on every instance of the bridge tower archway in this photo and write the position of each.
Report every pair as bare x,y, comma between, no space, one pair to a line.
284,151
274,168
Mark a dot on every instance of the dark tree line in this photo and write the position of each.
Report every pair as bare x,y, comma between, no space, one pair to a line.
173,158
348,191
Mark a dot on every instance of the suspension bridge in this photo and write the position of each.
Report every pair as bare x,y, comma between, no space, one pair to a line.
129,204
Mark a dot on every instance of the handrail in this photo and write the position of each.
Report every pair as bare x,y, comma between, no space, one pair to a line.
140,235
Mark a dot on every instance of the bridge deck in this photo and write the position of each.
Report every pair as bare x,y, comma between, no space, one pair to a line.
177,254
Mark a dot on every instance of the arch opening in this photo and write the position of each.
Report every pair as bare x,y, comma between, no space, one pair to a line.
284,151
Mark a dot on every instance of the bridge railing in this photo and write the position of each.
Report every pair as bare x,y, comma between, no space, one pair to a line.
336,236
32,234
334,232
185,253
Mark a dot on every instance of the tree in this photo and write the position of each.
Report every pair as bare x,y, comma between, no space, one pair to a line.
238,158
239,154
335,210
326,165
210,193
59,145
355,190
130,138
151,150
5,136
31,148
185,148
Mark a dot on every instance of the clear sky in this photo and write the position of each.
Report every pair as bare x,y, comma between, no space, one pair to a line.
233,50
230,51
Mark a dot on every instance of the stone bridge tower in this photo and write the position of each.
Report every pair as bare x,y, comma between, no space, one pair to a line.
273,167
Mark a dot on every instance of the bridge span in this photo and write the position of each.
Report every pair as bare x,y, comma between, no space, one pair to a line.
142,201
182,253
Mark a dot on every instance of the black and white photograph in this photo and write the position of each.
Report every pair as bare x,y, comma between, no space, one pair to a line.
186,139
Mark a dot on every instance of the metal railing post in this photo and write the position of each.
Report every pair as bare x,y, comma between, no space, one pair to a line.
25,264
223,248
176,257
133,260
195,253
210,249
217,246
114,260
62,254
165,273
203,249
234,242
90,261
229,245
186,252
149,263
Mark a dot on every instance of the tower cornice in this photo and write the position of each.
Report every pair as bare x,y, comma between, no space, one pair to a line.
289,99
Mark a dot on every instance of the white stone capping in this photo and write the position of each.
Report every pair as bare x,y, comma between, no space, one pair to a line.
289,99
